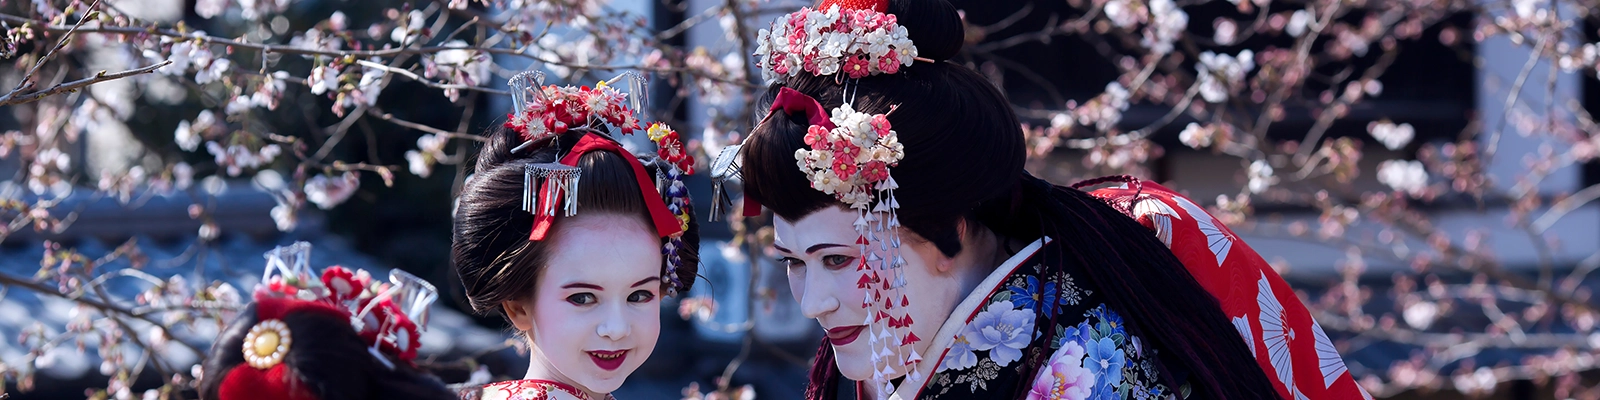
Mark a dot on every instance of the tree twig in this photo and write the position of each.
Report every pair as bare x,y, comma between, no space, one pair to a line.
102,76
1141,133
27,78
408,124
107,308
429,83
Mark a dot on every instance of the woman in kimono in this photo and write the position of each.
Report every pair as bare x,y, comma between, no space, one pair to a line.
938,267
573,239
337,334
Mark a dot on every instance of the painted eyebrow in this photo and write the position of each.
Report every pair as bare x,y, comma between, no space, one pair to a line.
646,280
579,285
822,246
812,249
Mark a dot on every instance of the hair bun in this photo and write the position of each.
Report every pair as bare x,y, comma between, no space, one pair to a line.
933,25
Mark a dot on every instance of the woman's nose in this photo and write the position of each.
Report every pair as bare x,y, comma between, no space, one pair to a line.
615,325
816,296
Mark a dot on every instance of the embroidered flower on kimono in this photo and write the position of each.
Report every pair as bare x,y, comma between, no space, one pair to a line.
1002,329
1105,361
960,355
1064,376
1030,295
1079,334
1110,322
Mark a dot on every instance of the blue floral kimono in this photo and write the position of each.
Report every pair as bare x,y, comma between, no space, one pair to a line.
998,330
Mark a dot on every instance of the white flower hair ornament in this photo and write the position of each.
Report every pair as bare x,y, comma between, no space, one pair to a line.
845,38
854,38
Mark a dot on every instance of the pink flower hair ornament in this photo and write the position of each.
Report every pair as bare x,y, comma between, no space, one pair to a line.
852,38
849,156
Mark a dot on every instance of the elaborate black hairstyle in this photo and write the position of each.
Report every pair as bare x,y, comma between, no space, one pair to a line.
490,249
327,360
964,161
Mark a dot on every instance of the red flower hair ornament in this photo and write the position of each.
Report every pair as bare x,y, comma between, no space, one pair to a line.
388,317
544,114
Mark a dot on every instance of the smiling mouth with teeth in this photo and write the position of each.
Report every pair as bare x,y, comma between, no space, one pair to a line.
608,360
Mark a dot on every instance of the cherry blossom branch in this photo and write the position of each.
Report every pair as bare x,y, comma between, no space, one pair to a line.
1330,114
427,82
436,131
1302,53
10,98
1512,98
1141,133
291,50
27,78
1340,323
690,22
1566,205
1051,29
105,308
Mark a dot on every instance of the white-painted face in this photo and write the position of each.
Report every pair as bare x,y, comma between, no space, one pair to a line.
820,254
595,311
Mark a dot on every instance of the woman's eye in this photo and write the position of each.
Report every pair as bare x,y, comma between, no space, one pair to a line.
836,261
790,262
581,299
642,296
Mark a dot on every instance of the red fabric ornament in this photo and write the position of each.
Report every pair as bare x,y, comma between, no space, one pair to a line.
910,337
791,101
666,224
277,383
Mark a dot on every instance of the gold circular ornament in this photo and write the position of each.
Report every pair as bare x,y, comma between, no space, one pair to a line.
267,344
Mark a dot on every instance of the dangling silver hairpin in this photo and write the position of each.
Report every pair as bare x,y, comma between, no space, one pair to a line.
637,98
293,264
414,296
724,169
555,180
526,87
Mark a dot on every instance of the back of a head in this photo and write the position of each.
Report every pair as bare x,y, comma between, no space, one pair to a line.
963,143
325,360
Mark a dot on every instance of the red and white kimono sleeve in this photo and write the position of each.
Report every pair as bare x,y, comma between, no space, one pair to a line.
1278,328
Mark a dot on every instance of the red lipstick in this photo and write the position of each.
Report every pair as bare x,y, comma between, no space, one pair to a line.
608,360
845,334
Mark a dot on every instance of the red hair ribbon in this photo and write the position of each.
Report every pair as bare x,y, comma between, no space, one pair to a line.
666,224
874,5
791,101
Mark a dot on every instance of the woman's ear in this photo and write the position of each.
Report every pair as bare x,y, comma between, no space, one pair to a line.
947,264
520,313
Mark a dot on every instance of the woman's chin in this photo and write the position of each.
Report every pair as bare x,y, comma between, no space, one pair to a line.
603,385
853,361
